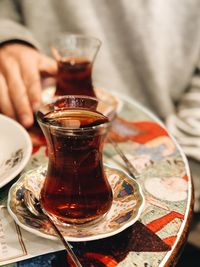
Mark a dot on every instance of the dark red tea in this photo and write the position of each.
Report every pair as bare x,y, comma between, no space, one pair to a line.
74,77
76,189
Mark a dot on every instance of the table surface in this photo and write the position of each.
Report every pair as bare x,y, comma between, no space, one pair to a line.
157,238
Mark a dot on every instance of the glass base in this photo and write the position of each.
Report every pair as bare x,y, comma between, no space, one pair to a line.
75,222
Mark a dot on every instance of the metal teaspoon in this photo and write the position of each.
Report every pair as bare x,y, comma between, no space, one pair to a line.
33,205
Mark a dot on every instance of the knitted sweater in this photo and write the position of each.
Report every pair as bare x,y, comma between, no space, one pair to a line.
149,48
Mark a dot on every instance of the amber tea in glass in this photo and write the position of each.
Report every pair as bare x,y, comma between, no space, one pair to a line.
76,189
75,56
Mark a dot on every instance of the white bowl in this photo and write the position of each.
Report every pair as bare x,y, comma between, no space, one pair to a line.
15,149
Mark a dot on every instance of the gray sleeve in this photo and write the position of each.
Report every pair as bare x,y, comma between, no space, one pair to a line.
184,123
11,26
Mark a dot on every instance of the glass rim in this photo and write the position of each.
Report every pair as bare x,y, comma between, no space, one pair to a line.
78,35
104,125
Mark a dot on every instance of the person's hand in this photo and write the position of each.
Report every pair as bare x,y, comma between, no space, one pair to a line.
20,81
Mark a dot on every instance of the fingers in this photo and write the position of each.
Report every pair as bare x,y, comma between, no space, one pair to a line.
32,82
32,79
47,65
48,70
20,81
18,96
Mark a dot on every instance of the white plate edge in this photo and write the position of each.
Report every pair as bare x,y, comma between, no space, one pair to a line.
27,156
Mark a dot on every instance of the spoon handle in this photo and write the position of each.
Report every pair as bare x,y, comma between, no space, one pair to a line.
130,168
65,243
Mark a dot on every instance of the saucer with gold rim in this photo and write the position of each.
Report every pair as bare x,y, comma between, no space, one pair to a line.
128,202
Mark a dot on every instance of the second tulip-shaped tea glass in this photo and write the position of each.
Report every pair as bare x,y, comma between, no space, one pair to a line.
76,189
75,55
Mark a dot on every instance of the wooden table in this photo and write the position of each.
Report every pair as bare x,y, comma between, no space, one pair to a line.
158,237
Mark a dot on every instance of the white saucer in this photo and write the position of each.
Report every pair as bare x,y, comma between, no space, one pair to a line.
126,208
15,149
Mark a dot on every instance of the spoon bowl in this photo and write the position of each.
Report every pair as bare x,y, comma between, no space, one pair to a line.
33,204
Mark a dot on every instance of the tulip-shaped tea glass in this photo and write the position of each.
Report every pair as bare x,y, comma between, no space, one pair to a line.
76,189
75,55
